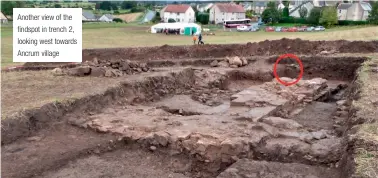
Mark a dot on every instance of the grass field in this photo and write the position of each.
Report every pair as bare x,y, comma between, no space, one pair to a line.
101,35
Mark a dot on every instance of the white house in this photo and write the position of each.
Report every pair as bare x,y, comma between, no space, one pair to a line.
353,11
178,12
342,10
106,18
221,12
3,18
88,16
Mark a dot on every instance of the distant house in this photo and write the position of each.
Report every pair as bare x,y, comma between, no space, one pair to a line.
342,10
106,18
178,12
259,6
3,18
353,11
247,6
295,6
88,17
221,12
204,7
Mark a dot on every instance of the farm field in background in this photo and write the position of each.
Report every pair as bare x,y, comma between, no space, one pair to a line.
111,35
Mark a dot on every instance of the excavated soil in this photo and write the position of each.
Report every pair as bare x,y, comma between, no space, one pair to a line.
188,119
274,47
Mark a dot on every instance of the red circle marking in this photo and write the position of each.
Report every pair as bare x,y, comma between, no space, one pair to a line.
300,65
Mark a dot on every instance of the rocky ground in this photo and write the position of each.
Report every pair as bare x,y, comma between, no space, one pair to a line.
223,117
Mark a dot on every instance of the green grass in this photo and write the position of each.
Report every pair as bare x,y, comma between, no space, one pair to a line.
108,35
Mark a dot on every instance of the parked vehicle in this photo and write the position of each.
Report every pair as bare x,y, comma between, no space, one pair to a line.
301,29
278,29
269,29
319,28
292,29
254,29
242,28
310,29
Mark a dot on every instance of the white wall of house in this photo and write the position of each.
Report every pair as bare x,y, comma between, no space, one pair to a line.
365,15
187,17
105,19
342,14
355,12
218,17
162,12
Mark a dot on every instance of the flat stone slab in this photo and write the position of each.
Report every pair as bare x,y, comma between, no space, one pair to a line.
262,169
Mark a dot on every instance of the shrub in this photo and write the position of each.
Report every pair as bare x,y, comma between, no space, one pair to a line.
118,20
329,16
373,16
314,16
349,22
171,20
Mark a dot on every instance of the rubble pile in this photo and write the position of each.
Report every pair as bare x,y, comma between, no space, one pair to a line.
104,69
233,62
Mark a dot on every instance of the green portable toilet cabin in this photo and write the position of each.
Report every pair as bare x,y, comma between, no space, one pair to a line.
190,30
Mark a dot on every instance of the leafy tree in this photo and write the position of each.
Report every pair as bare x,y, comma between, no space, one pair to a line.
57,6
202,18
249,13
106,5
285,12
128,4
271,13
314,16
272,5
118,20
98,6
157,17
170,20
329,16
373,16
114,6
7,6
303,12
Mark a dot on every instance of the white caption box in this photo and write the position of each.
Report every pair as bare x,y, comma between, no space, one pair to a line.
47,35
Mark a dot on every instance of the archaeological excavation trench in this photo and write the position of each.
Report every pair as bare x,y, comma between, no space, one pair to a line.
195,118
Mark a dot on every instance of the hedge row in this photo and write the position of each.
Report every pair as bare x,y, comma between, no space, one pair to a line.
293,20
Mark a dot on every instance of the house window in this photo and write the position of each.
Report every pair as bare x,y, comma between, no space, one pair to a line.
178,20
178,13
232,13
223,13
182,20
232,18
340,11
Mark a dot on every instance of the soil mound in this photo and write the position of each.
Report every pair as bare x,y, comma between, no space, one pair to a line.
267,47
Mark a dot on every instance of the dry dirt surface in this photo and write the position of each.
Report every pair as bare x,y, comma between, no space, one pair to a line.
129,17
274,47
198,118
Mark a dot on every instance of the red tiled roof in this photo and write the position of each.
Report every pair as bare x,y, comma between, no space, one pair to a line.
180,8
230,7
